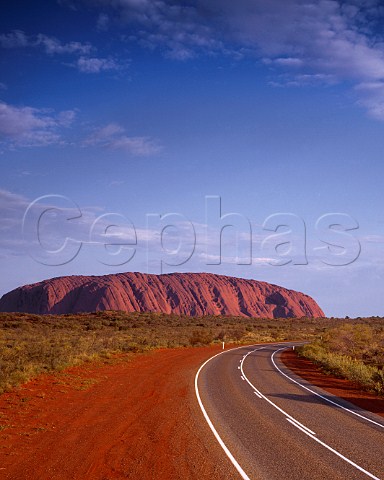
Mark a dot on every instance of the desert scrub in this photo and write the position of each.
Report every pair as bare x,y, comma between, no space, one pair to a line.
354,352
34,344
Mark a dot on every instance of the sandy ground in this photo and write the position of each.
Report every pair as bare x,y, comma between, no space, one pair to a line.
134,418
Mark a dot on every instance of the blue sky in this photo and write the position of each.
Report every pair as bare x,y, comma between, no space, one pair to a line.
128,116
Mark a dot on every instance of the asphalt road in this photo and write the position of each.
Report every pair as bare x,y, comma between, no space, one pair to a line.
273,428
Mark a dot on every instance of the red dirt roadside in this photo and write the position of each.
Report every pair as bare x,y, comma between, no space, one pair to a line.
136,418
337,386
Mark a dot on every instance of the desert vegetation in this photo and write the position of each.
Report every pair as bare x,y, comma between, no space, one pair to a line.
352,350
34,344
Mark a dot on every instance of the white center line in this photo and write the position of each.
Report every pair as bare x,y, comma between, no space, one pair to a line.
234,462
303,428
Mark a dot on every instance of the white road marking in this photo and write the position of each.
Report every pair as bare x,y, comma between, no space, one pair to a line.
289,418
208,420
234,462
296,425
299,425
242,378
321,396
305,429
336,452
267,399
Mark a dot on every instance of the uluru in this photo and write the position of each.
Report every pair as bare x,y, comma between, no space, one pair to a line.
193,294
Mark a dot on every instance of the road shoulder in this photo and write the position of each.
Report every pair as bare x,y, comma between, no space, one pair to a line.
135,418
339,387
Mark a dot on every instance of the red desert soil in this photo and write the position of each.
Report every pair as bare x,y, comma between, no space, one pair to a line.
136,418
337,386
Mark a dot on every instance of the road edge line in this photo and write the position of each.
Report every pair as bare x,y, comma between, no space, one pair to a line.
234,462
359,415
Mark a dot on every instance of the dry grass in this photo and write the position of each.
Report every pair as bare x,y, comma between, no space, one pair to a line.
33,344
352,351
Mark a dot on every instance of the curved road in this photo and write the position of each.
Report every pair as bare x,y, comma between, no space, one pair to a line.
274,425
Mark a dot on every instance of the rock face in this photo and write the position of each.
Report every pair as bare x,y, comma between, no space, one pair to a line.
192,294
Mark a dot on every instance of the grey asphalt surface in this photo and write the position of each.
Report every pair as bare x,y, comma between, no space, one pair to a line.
265,443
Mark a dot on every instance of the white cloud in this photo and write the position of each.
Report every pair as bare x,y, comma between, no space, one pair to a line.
304,80
85,63
103,22
332,40
308,42
372,98
54,46
181,29
115,183
102,136
114,137
289,61
31,127
140,146
105,133
19,39
60,218
17,122
180,53
374,239
66,118
96,65
15,39
12,208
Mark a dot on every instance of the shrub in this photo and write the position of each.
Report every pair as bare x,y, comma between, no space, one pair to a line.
32,344
348,361
200,337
